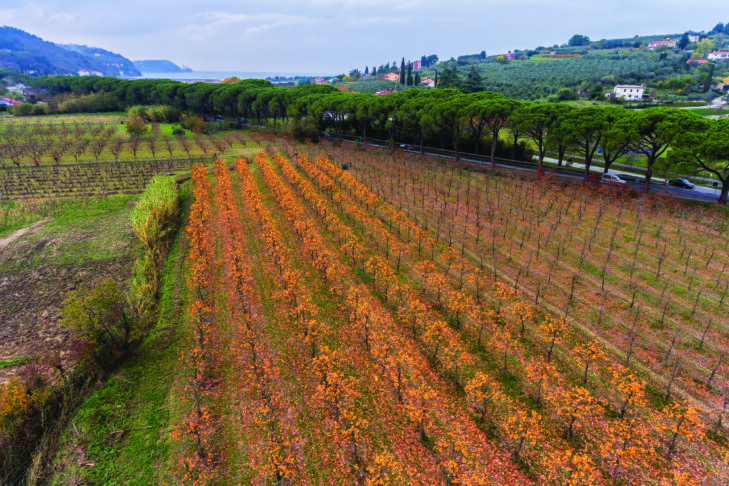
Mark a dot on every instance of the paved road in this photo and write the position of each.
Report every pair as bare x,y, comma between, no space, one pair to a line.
658,186
698,193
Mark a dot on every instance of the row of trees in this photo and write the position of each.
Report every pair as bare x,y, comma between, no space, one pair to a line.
445,116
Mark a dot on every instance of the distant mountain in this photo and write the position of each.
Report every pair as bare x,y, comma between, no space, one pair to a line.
124,66
160,66
29,54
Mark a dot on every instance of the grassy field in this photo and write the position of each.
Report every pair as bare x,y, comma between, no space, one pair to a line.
409,321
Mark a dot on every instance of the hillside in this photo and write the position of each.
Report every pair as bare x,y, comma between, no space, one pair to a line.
29,54
159,66
673,67
110,59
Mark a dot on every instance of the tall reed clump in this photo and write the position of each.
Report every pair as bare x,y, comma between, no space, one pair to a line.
154,221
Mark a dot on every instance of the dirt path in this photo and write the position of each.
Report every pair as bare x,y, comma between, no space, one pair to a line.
4,242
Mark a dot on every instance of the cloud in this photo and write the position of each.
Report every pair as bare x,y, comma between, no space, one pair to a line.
211,24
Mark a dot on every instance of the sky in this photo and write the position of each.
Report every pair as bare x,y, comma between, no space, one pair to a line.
335,36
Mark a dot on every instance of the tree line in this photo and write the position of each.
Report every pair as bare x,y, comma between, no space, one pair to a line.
443,117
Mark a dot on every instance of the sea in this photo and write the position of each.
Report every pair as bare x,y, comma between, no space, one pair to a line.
217,76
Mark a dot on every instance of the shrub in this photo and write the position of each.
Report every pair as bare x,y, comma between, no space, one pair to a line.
136,125
23,109
163,114
40,110
179,131
138,111
100,319
214,127
193,123
93,103
302,131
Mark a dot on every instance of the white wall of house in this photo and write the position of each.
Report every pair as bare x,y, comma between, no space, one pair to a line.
718,56
628,92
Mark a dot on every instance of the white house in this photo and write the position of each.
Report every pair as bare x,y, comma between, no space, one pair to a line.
18,88
718,56
669,43
628,92
693,38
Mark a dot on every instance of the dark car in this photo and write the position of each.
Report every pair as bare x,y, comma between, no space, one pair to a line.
681,183
405,146
327,135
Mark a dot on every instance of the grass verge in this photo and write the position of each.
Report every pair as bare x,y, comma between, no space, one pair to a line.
121,434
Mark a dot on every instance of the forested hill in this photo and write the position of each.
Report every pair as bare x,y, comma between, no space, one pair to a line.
159,66
29,54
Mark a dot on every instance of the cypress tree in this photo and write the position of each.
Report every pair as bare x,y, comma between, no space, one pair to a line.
402,71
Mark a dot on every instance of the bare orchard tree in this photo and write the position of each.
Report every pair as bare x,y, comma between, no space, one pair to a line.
134,142
185,144
168,145
152,146
115,148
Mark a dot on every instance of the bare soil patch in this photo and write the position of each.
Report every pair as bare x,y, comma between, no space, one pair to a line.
4,242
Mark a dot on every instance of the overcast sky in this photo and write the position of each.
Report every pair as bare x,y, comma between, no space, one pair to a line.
334,36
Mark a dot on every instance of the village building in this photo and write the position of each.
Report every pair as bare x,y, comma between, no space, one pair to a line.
9,102
718,56
668,43
628,92
428,82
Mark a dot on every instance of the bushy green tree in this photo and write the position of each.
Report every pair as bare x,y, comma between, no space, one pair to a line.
706,149
473,81
23,109
578,40
99,317
657,129
136,126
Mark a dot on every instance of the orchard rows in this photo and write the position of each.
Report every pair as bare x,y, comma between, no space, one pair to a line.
367,329
57,143
644,277
91,178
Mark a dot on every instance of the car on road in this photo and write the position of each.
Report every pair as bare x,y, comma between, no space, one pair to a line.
683,183
405,146
612,178
327,135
